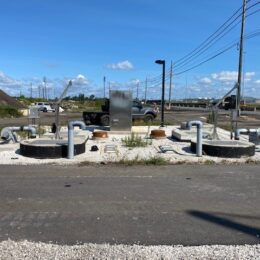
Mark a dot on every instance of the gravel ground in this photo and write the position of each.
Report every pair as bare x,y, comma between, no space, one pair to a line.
9,153
28,250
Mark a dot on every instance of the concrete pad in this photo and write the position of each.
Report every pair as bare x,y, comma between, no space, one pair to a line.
185,135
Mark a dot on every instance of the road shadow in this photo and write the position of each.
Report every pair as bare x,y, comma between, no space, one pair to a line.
222,221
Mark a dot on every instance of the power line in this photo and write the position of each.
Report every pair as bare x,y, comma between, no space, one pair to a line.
209,38
218,54
207,44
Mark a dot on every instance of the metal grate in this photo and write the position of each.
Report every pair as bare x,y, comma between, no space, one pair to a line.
166,148
110,148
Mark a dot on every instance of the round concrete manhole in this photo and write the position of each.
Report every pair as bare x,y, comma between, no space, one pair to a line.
225,148
157,134
49,149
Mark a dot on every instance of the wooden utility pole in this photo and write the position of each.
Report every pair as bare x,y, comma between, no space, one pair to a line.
240,65
170,87
145,92
44,88
137,90
31,90
104,85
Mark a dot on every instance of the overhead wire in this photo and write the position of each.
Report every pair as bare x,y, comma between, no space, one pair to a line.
247,37
222,31
213,41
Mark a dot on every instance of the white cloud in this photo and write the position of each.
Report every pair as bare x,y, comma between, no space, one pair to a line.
122,65
228,77
134,82
205,81
257,81
55,87
80,80
9,85
225,76
6,80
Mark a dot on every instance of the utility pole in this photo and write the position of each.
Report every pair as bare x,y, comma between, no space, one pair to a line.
170,87
39,91
44,87
145,93
137,90
241,47
31,90
104,85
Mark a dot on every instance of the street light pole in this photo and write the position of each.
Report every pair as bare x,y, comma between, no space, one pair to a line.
162,62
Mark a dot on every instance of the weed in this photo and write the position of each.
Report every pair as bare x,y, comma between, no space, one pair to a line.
135,140
251,161
140,122
209,162
156,160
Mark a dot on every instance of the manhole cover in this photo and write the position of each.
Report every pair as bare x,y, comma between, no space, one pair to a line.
158,134
100,134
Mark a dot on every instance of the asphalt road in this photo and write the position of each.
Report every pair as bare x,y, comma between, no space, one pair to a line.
169,205
171,117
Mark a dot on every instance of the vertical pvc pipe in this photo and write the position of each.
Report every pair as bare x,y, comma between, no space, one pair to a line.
199,135
71,125
199,141
70,143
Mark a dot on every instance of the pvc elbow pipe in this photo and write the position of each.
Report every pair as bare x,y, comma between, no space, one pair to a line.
245,131
7,133
71,125
30,129
239,131
199,125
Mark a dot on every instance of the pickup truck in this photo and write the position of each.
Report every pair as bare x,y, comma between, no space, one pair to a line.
44,107
147,114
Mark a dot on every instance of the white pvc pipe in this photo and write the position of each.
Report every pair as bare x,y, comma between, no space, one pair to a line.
199,125
7,133
71,125
244,131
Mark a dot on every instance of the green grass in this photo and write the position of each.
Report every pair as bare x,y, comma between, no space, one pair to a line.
7,111
135,140
155,160
140,122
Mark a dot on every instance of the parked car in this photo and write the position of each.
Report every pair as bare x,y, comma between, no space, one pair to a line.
44,107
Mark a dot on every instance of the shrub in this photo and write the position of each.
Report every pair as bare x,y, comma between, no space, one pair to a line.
135,140
7,111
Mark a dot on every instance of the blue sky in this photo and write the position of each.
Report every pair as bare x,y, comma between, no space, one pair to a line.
85,40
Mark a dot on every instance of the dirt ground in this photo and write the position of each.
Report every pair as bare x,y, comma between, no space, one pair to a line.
171,117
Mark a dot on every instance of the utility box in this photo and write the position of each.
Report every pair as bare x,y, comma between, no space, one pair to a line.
33,113
120,108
